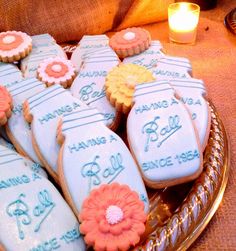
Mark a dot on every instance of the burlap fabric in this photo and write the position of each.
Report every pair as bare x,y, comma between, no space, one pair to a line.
70,20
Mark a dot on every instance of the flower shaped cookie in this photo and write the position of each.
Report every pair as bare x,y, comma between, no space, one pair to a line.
14,45
5,105
56,70
130,41
120,84
112,218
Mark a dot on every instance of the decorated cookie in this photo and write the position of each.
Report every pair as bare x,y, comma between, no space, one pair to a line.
43,111
8,149
91,155
192,92
31,211
56,70
130,41
44,47
89,84
147,58
5,105
162,137
86,45
14,45
9,74
43,40
7,144
121,82
167,67
112,218
18,130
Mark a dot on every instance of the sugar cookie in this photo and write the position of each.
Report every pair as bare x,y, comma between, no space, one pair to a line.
89,84
5,105
148,57
44,46
9,74
8,149
91,155
31,211
56,70
120,84
168,67
18,130
14,45
88,44
43,111
130,41
116,215
162,137
192,92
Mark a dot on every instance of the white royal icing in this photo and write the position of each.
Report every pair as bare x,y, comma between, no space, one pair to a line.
8,39
88,86
31,211
191,92
8,149
164,141
86,45
16,124
9,74
46,108
44,46
129,35
114,214
92,155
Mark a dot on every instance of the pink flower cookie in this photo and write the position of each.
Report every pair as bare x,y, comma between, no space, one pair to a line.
112,218
56,70
14,45
5,105
130,41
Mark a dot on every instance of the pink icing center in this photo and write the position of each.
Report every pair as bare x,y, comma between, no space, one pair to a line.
56,69
10,41
114,214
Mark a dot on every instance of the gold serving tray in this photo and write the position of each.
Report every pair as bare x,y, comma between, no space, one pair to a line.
179,214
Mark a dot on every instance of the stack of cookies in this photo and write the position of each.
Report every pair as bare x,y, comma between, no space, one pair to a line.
59,121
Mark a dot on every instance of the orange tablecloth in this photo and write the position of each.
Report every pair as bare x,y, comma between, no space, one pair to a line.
213,59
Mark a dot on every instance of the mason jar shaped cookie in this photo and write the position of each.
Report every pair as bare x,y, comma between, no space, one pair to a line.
162,136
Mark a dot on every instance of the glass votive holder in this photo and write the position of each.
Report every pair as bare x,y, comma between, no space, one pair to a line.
183,21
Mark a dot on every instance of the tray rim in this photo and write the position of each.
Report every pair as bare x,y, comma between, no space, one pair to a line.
219,194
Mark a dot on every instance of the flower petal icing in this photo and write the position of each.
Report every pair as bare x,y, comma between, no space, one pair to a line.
112,229
56,70
14,44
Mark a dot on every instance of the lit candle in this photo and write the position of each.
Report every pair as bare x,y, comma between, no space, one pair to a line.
183,20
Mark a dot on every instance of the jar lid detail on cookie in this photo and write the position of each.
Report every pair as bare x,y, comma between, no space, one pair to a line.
114,214
129,35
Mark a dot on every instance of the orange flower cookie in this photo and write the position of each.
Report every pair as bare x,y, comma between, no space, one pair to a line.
14,45
112,218
120,84
5,105
130,41
56,70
